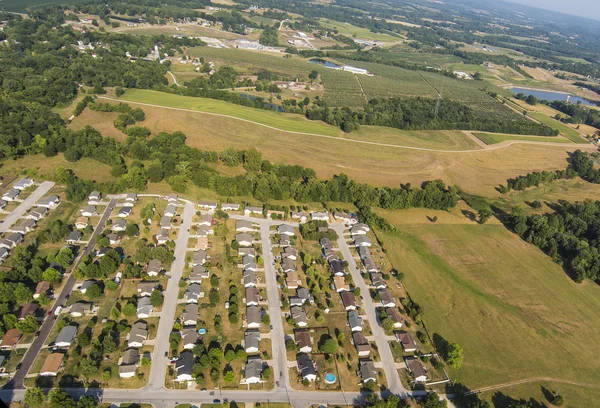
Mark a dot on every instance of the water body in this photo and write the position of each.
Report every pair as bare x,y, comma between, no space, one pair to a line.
552,96
326,64
274,107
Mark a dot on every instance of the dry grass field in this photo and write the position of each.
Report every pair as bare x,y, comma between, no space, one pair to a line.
514,311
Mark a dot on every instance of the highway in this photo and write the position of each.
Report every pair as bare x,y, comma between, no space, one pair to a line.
27,203
38,342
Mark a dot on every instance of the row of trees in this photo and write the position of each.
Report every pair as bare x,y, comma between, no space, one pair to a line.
536,178
578,113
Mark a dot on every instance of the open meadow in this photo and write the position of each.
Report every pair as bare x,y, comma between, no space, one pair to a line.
494,138
517,315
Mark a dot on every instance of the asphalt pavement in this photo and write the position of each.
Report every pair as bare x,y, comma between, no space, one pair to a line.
27,203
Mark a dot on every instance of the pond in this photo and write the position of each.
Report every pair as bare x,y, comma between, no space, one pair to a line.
552,96
274,107
324,63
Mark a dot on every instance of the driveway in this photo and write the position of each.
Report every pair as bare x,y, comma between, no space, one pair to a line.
27,203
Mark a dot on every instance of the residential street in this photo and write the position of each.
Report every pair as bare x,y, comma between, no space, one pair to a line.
46,328
391,373
158,368
27,203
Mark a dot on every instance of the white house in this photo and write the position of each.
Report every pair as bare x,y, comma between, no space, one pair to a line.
22,184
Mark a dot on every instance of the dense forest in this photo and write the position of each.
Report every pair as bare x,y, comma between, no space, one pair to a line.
577,113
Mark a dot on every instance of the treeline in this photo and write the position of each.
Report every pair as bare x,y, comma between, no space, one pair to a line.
584,166
535,179
421,114
570,235
595,88
577,113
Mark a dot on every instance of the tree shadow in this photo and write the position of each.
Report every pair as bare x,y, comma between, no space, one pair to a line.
500,400
469,215
440,344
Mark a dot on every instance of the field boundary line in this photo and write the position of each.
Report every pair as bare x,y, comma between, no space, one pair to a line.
529,380
344,140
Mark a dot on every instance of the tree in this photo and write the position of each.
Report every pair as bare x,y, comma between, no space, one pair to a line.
265,319
111,286
454,355
290,345
230,355
266,373
108,344
387,324
156,298
214,281
432,400
132,230
93,292
60,399
229,377
87,367
252,160
328,345
52,275
83,339
155,173
484,214
145,362
34,397
87,401
29,325
313,75
129,309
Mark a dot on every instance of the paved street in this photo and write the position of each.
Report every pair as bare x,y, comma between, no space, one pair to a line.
158,368
391,374
38,342
27,203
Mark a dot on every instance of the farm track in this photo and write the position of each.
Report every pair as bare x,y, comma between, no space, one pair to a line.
497,146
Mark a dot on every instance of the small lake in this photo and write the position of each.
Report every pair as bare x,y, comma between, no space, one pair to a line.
551,96
326,64
274,107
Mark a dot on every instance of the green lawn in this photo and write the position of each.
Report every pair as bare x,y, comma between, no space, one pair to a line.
513,310
350,30
566,131
493,138
289,122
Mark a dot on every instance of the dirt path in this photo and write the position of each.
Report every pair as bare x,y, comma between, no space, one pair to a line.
362,90
173,76
343,140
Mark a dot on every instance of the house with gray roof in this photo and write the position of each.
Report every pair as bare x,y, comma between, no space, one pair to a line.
144,308
355,321
145,288
190,338
24,226
161,237
306,367
183,366
23,183
362,240
285,229
11,194
81,308
369,264
74,237
198,273
253,370
319,216
165,222
244,226
137,335
124,212
130,200
249,210
230,207
95,198
250,279
299,316
192,293
172,198
170,210
367,371
49,202
253,317
119,225
37,213
207,205
154,267
290,253
251,341
129,363
244,240
387,299
88,210
337,267
377,281
65,336
199,257
190,314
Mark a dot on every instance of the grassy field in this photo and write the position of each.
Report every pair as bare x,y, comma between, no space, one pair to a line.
21,6
46,167
350,30
493,138
566,131
515,312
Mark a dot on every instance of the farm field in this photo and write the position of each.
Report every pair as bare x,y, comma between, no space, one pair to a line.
494,138
21,6
350,30
498,297
566,131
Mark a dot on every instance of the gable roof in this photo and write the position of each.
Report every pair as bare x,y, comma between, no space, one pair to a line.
252,314
254,367
305,365
298,314
52,363
251,338
131,356
190,312
348,299
386,296
155,265
303,339
66,335
251,295
394,315
354,319
189,336
11,337
367,370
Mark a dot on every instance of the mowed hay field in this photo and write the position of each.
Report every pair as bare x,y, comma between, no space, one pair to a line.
514,311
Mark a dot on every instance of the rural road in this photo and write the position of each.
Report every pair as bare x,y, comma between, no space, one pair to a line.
158,368
27,203
364,142
46,328
391,373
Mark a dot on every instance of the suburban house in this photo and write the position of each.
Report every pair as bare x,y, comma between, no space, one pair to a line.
207,205
369,264
190,315
361,343
248,263
95,198
113,239
28,309
154,267
144,308
387,299
363,252
52,365
306,367
319,216
337,267
367,371
124,212
204,231
11,194
288,265
253,317
10,339
394,316
251,341
417,370
161,237
129,363
248,211
377,281
252,296
325,243
303,340
250,279
405,339
37,213
183,366
359,229
343,217
86,284
22,184
170,210
65,336
88,210
11,240
299,215
130,200
355,321
199,257
172,198
3,253
202,243
189,337
192,294
198,273
165,222
244,226
82,222
362,241
291,280
302,296
41,287
230,207
145,288
244,240
299,316
81,308
246,251
74,237
348,300
119,225
285,229
253,370
284,241
137,335
329,255
206,220
290,253
49,202
340,284
2,204
273,214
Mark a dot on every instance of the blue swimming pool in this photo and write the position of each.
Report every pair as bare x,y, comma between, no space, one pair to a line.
330,378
